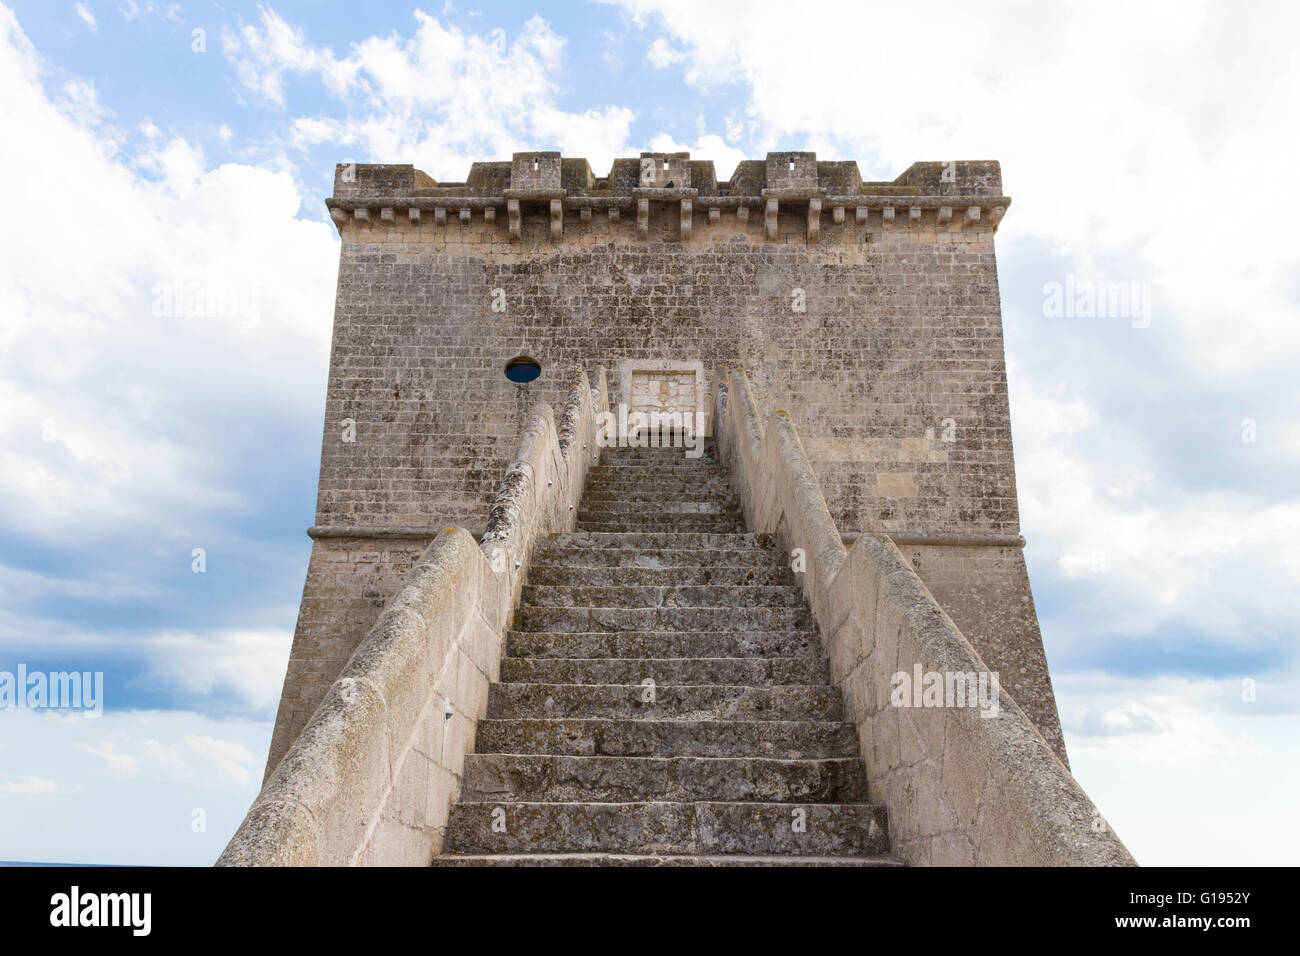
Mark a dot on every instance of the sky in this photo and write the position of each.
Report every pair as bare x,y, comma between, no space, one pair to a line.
160,460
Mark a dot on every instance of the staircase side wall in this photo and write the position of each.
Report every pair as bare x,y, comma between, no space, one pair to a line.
371,778
964,782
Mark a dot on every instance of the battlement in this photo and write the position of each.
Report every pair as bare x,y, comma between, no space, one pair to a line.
951,195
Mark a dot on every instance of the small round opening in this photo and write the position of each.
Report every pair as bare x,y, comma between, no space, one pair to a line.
521,369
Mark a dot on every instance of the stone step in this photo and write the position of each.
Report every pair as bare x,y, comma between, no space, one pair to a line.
630,645
688,502
661,859
663,450
655,558
680,469
748,671
550,778
705,483
667,506
790,739
657,540
688,596
572,575
663,458
677,702
650,522
652,451
705,828
597,489
658,522
583,619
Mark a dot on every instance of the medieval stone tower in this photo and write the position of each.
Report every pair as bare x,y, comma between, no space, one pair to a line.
839,343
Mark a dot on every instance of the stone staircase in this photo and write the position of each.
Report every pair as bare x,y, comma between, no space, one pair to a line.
664,699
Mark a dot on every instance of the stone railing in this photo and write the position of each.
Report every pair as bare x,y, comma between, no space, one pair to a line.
372,777
963,785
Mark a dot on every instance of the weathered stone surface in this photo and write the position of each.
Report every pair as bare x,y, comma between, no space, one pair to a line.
660,739
962,785
576,576
757,829
664,702
557,778
627,644
659,859
371,777
751,672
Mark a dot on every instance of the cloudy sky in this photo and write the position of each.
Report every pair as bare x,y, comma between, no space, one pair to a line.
148,144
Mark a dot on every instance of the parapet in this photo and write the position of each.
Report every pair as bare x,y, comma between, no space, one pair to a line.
951,194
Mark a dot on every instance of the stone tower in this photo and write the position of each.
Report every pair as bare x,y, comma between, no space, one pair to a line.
868,310
520,645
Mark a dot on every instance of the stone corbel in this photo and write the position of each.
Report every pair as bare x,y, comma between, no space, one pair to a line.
464,216
386,216
512,211
557,220
972,214
340,216
860,214
440,216
913,215
887,215
814,220
413,215
361,215
769,218
613,214
837,215
945,216
715,214
742,213
995,216
490,214
584,214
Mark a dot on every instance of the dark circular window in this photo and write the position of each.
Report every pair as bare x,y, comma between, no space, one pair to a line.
522,369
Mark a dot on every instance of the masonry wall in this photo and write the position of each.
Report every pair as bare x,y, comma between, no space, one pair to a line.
883,340
901,331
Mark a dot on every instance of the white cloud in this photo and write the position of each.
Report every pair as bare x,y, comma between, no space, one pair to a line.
1115,136
243,668
135,9
122,765
441,98
192,758
661,54
151,787
1148,553
87,15
1165,759
29,787
110,388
